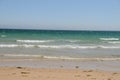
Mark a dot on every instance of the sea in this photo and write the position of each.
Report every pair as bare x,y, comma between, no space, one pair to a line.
59,44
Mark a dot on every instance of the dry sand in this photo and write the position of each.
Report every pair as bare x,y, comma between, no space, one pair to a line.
24,73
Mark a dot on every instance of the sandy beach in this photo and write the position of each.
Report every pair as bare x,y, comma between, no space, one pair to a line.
58,70
24,73
60,40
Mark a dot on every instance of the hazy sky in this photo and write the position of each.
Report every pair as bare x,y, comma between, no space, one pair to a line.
60,14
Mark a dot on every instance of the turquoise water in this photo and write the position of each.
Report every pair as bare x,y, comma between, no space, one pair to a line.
59,44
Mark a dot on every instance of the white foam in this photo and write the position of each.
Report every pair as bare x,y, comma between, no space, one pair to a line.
20,55
114,42
8,45
110,47
58,46
60,57
109,39
84,59
73,41
3,36
67,46
34,41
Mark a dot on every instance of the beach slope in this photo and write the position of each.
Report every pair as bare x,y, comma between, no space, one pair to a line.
24,73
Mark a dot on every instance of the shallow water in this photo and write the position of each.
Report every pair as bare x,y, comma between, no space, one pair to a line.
102,45
64,64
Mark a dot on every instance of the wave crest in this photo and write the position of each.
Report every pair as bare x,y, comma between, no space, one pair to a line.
61,57
58,46
34,41
3,36
114,42
109,39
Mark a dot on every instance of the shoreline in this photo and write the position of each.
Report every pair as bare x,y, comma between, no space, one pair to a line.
52,69
64,64
27,73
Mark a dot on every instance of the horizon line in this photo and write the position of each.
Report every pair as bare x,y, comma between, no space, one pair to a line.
54,29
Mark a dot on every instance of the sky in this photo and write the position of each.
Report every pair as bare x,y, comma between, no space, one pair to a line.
60,14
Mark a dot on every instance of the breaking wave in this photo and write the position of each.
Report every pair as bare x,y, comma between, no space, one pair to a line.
34,41
44,41
58,46
60,57
3,36
109,39
114,42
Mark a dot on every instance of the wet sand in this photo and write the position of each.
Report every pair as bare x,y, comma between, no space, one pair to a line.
22,69
64,64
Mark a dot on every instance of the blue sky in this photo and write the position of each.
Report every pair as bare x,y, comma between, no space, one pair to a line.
60,14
